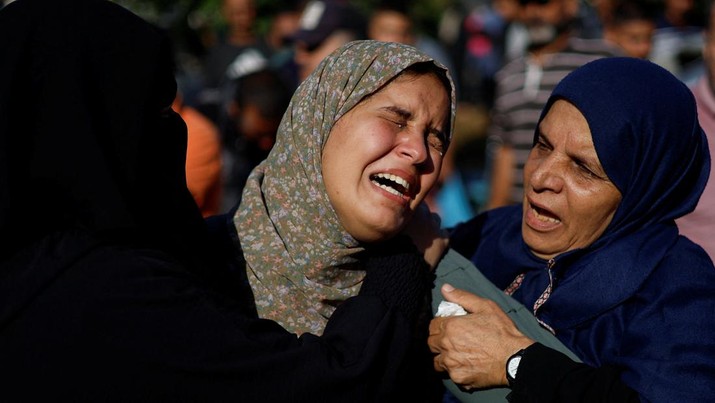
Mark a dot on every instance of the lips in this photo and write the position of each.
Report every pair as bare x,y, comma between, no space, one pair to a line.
544,215
392,184
540,218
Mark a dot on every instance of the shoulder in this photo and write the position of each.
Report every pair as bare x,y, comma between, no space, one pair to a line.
685,267
592,47
511,68
466,237
668,340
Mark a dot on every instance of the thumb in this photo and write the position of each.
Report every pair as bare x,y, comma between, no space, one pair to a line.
466,299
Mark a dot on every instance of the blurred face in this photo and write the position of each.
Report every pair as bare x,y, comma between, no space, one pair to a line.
256,128
568,199
239,14
545,19
308,59
634,37
385,154
390,26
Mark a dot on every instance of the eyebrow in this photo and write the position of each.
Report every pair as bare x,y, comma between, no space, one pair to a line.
405,114
592,163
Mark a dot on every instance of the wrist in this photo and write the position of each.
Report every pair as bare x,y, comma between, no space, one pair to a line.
513,364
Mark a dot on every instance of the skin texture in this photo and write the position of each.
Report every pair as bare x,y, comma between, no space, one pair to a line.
568,199
393,131
474,348
568,203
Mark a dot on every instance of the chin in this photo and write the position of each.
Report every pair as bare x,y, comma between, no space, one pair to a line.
539,249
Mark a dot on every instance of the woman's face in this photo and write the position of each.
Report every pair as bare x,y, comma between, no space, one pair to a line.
383,156
568,199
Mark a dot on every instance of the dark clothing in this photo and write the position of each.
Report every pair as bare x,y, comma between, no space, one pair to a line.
546,375
120,323
112,287
647,325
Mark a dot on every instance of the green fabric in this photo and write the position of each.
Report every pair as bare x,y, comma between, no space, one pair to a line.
461,273
301,261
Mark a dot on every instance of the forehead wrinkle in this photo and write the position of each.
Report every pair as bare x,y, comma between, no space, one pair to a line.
576,142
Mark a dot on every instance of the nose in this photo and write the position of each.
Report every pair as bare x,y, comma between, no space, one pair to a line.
547,174
412,145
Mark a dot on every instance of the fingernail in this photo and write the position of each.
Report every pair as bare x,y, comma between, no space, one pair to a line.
447,288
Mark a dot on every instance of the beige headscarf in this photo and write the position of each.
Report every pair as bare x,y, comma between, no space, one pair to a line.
300,260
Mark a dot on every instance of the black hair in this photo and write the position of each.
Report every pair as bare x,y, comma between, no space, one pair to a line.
632,10
265,90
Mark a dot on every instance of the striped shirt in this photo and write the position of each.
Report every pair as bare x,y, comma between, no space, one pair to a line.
523,87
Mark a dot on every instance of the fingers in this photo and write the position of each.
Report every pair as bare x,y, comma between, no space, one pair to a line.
470,302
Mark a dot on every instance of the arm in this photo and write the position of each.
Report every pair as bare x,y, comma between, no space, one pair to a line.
363,354
474,350
546,375
136,326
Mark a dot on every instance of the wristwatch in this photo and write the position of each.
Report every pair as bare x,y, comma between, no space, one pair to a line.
512,366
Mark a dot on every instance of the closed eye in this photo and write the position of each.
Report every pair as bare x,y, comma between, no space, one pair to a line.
399,124
586,170
436,139
542,143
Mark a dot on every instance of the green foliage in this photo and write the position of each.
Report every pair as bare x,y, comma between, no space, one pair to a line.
208,12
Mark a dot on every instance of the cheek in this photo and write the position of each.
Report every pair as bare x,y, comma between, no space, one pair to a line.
595,210
430,179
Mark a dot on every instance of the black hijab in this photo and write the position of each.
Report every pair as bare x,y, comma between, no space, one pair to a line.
88,144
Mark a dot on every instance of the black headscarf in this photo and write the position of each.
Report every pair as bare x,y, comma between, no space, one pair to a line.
88,143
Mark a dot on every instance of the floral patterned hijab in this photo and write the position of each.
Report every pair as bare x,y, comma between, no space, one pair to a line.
301,262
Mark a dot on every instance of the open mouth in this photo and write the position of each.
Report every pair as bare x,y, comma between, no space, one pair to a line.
544,215
392,184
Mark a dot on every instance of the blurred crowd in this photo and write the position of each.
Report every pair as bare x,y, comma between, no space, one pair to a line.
236,77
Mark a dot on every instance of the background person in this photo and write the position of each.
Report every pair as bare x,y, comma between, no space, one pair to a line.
324,26
237,46
631,26
594,251
524,84
254,114
203,158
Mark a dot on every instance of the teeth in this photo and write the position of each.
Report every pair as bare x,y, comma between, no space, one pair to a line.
543,218
401,185
395,179
389,189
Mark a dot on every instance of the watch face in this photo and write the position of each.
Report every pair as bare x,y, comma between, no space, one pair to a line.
513,365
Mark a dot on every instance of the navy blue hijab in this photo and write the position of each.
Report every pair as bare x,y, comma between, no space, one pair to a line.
646,133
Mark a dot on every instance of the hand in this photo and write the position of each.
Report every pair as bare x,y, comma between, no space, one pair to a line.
426,233
474,348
